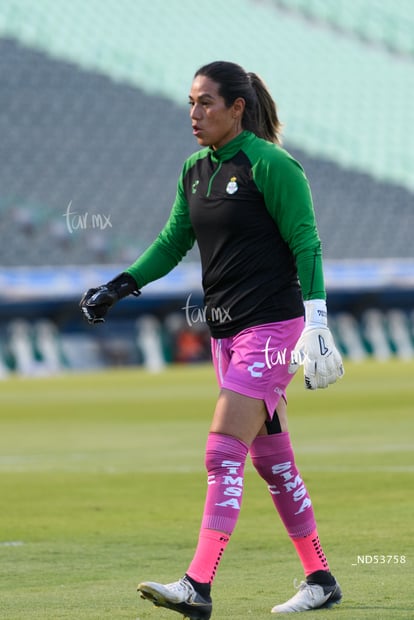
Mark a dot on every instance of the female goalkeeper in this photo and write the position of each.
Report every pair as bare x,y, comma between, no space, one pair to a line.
248,205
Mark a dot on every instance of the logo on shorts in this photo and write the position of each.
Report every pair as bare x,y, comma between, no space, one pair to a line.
253,372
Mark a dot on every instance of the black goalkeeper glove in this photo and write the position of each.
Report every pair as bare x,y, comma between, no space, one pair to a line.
96,302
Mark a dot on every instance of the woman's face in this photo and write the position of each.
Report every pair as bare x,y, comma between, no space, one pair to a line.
213,123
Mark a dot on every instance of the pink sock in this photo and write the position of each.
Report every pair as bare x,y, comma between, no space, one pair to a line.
225,460
210,549
273,458
311,554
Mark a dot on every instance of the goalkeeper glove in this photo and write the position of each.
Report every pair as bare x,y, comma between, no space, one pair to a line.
96,302
316,350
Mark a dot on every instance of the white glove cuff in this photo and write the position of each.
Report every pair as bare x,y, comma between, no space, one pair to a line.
315,313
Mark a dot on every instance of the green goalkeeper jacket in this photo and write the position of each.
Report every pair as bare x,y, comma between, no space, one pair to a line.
249,207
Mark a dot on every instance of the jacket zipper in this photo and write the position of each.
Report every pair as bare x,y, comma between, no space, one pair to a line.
210,183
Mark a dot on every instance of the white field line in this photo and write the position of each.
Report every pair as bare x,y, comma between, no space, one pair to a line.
121,463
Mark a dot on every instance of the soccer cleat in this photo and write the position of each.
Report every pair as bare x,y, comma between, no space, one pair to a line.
311,596
179,596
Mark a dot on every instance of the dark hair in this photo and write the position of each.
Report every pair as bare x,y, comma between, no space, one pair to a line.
260,113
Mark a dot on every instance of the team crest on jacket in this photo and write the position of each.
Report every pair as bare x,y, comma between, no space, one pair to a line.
232,186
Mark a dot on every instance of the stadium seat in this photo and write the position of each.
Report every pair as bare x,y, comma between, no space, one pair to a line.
400,334
347,333
149,341
375,334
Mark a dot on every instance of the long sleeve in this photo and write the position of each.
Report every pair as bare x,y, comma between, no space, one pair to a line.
289,201
169,248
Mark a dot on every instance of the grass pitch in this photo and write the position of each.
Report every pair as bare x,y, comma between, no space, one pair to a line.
102,485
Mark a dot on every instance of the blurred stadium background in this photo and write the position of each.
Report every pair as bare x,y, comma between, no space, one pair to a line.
94,130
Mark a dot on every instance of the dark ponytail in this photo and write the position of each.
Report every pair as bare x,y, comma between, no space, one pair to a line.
267,118
260,113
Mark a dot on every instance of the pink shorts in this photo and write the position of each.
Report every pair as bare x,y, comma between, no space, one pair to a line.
255,362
